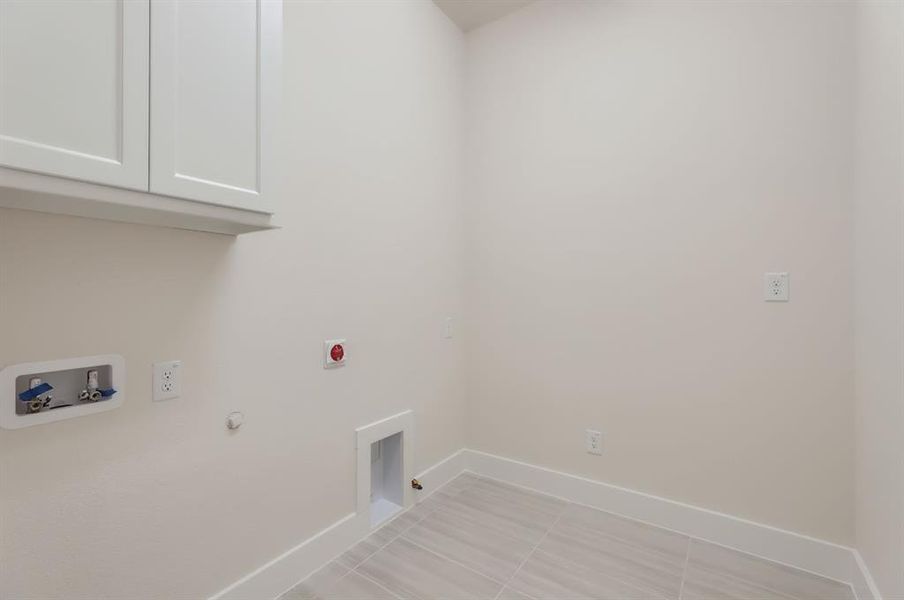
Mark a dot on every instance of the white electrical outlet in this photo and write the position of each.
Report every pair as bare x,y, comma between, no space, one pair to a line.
449,329
776,287
593,440
167,380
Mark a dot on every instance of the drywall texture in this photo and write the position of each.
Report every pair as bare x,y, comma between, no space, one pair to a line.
634,169
159,500
879,293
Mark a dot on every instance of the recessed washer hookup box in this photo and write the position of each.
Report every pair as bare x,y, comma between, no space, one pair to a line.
47,391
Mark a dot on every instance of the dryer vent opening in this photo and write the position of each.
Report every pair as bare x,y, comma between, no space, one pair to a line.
387,492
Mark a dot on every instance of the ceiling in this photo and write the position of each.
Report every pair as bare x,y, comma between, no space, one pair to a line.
470,14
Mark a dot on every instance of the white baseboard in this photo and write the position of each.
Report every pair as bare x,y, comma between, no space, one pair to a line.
287,569
793,549
440,474
802,552
296,564
862,580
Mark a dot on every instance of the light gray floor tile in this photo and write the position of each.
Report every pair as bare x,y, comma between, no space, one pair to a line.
485,550
437,499
421,510
508,593
634,533
496,515
703,585
410,571
360,552
364,549
461,482
782,581
399,524
548,577
310,588
356,587
447,493
517,496
647,558
510,511
473,528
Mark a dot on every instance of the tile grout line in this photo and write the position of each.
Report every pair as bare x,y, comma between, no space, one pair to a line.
506,583
766,559
472,570
531,553
534,490
314,595
736,578
687,560
639,547
451,560
369,556
349,572
391,540
610,536
396,536
763,586
569,561
377,583
690,539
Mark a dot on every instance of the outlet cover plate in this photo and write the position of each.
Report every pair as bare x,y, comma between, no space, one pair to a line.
593,440
167,380
776,287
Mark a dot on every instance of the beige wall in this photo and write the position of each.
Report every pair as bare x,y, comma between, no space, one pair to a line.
879,298
634,169
158,500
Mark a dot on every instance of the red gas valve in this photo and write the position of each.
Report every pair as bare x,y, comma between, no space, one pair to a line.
337,352
333,353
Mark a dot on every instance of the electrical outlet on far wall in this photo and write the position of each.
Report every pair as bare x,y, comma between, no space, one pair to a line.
593,441
449,328
777,287
167,380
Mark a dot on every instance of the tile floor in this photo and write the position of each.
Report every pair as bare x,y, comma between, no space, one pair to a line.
479,538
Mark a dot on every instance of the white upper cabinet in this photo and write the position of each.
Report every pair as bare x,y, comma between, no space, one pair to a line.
74,89
215,69
147,111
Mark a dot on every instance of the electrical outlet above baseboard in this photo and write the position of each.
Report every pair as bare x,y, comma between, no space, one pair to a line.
593,442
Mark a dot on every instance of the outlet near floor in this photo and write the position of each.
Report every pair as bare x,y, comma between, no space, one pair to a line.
167,380
777,287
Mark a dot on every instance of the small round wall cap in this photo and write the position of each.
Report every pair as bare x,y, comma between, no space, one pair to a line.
234,420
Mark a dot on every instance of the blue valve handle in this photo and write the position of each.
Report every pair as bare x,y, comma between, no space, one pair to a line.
32,393
107,393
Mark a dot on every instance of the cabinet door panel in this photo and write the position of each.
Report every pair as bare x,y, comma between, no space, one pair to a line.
74,89
214,65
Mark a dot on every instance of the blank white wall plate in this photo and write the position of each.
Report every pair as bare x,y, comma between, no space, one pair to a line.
10,420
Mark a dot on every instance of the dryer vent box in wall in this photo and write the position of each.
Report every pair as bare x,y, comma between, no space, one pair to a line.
43,392
386,479
385,463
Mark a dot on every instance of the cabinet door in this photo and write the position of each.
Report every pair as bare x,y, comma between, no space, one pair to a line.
214,71
74,89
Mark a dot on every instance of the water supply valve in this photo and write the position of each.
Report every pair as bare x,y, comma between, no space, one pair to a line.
36,396
42,392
